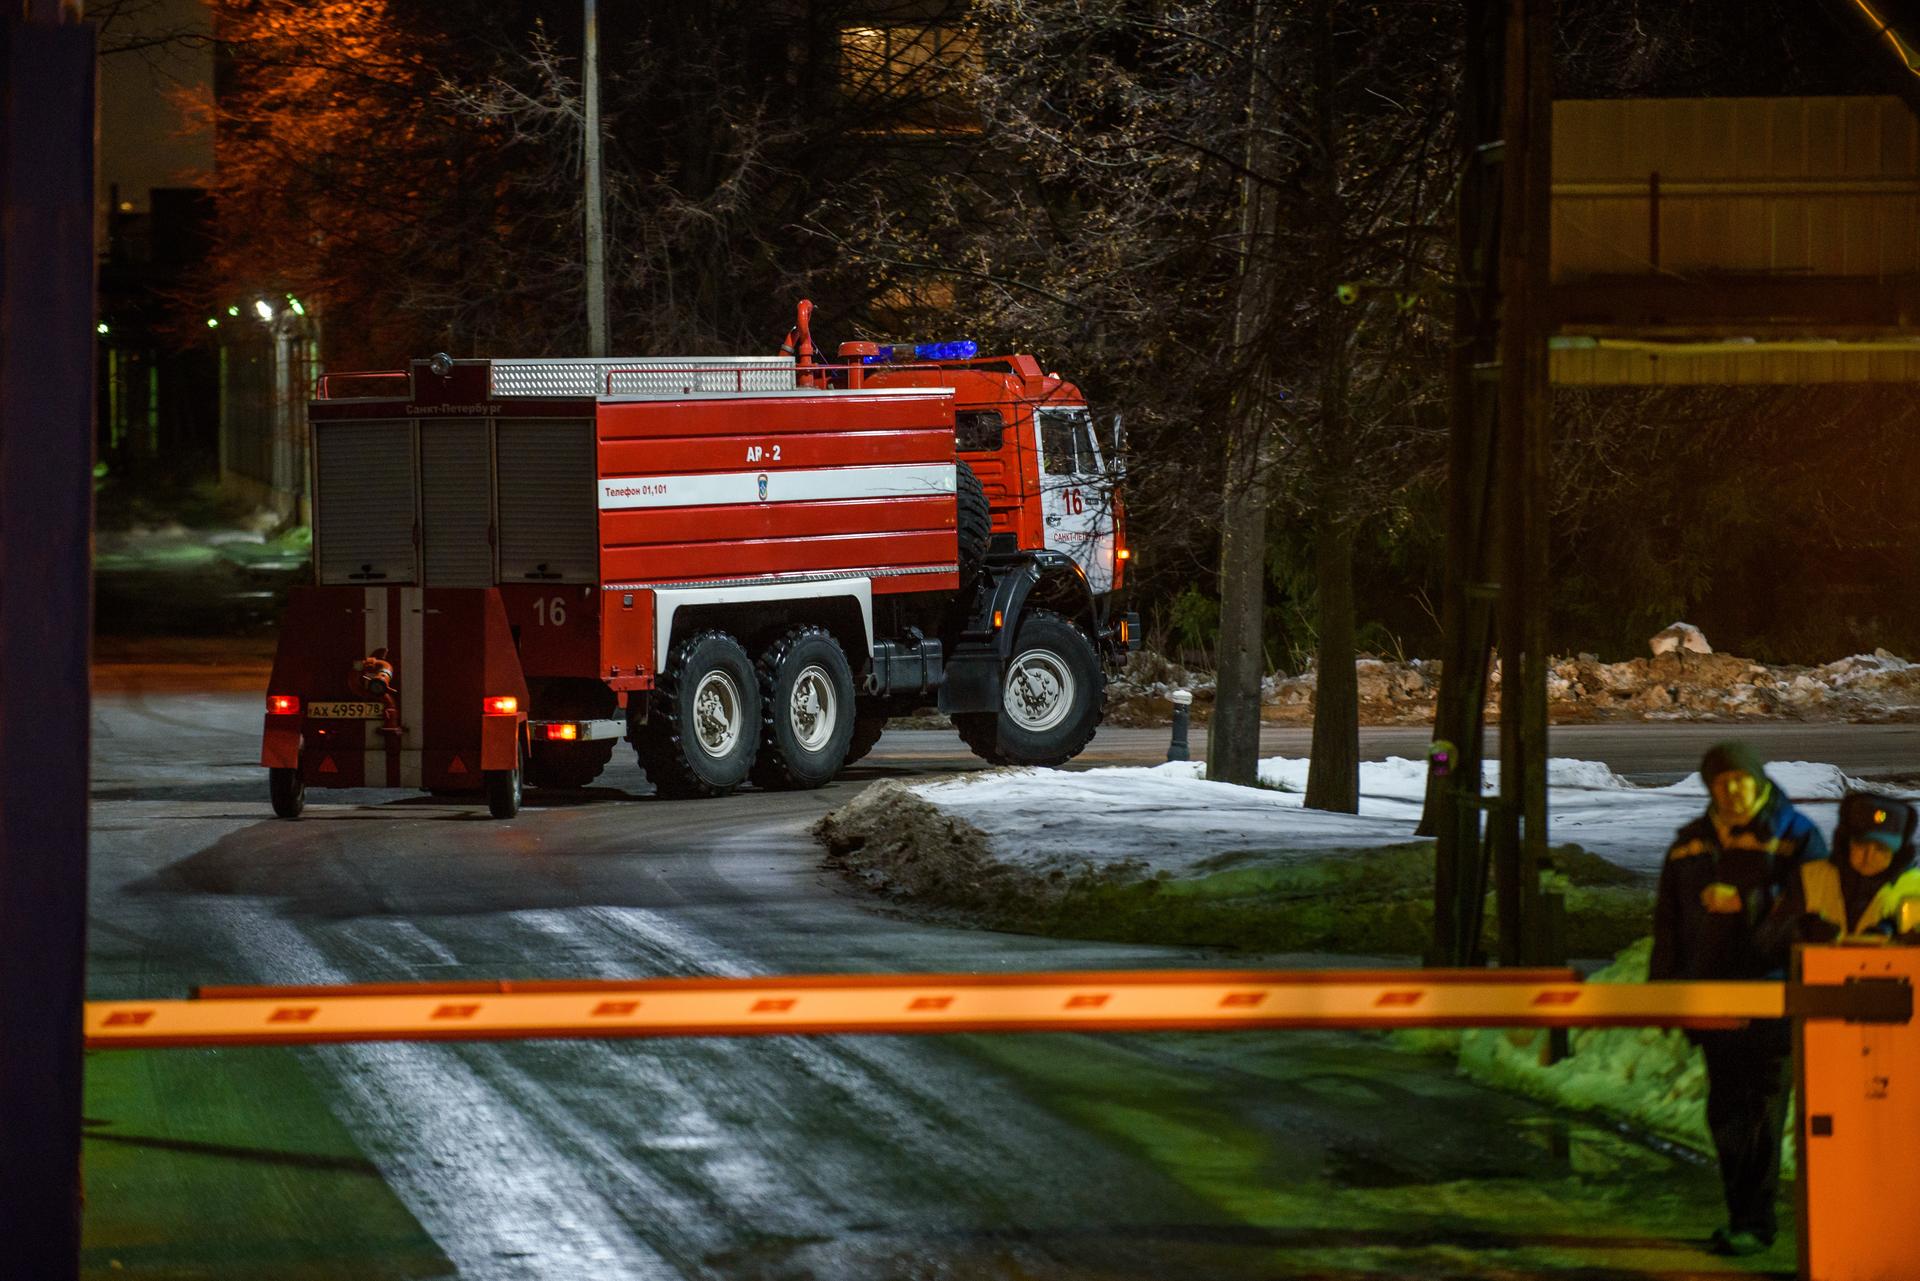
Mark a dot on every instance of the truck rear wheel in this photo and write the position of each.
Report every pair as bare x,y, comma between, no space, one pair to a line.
288,790
868,724
807,712
705,729
503,791
1053,695
973,517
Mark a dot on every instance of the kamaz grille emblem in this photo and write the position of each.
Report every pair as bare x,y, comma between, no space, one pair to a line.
763,487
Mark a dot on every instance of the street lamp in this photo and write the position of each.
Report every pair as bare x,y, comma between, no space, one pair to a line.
263,309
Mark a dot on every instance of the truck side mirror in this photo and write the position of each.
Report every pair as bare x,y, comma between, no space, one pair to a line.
1116,446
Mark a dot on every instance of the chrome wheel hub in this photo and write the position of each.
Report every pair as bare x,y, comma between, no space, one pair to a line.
716,713
1039,691
813,710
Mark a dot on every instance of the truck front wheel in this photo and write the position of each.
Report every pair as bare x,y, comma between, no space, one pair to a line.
1053,694
807,717
705,729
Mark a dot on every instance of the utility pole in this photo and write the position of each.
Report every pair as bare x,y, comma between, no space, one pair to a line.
1520,837
46,514
596,207
1498,495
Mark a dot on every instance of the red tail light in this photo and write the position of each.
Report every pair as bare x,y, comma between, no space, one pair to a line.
565,731
283,705
501,705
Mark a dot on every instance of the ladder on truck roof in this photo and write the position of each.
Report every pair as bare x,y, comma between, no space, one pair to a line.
666,375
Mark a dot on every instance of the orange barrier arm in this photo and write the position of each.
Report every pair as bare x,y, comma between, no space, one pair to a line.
1126,1001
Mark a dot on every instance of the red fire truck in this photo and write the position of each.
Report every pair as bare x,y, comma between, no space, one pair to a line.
742,566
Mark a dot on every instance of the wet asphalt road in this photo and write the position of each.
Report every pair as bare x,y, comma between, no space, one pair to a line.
1040,1156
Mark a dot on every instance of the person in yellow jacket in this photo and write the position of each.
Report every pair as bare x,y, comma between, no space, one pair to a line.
1856,895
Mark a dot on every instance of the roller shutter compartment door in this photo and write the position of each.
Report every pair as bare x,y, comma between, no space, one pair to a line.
549,502
456,503
364,502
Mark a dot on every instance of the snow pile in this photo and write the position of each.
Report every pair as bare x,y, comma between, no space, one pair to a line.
1173,820
169,547
1161,854
1679,636
1677,684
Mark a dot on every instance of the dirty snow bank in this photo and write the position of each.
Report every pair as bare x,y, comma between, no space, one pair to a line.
1672,686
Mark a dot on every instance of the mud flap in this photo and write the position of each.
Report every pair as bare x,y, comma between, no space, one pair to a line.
972,681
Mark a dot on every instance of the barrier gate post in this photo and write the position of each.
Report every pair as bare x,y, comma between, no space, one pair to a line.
1859,1126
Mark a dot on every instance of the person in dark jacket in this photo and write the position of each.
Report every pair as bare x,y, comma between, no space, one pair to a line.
1723,875
1855,894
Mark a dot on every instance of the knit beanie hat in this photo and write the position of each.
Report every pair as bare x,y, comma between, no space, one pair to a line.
1723,758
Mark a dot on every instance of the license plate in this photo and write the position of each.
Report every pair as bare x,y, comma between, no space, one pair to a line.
346,711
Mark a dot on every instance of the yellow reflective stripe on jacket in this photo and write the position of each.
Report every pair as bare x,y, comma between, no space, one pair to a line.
1735,841
1905,885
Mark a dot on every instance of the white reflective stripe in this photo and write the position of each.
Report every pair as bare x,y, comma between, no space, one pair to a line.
668,601
412,674
812,484
373,753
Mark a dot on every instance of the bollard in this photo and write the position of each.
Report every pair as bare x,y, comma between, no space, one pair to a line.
1177,749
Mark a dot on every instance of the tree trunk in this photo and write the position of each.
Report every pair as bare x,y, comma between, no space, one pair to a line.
1233,736
1333,776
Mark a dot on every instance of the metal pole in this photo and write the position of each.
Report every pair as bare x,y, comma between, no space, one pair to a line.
596,211
46,510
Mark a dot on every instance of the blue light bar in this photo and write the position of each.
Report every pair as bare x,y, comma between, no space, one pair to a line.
960,349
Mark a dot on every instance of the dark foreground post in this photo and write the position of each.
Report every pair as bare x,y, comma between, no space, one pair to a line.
46,508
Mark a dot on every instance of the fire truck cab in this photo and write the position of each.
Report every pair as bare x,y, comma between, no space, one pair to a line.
742,566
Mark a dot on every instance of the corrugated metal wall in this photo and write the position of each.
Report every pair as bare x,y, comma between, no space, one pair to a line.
1754,186
1819,186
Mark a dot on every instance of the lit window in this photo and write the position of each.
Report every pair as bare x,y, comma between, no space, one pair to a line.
913,78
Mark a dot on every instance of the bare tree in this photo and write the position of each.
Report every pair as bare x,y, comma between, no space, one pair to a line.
1198,186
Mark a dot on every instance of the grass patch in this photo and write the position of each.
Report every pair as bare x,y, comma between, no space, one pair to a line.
1650,1079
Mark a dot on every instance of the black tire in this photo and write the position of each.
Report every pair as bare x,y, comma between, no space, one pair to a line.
503,791
1058,658
973,521
868,724
803,747
679,759
288,789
